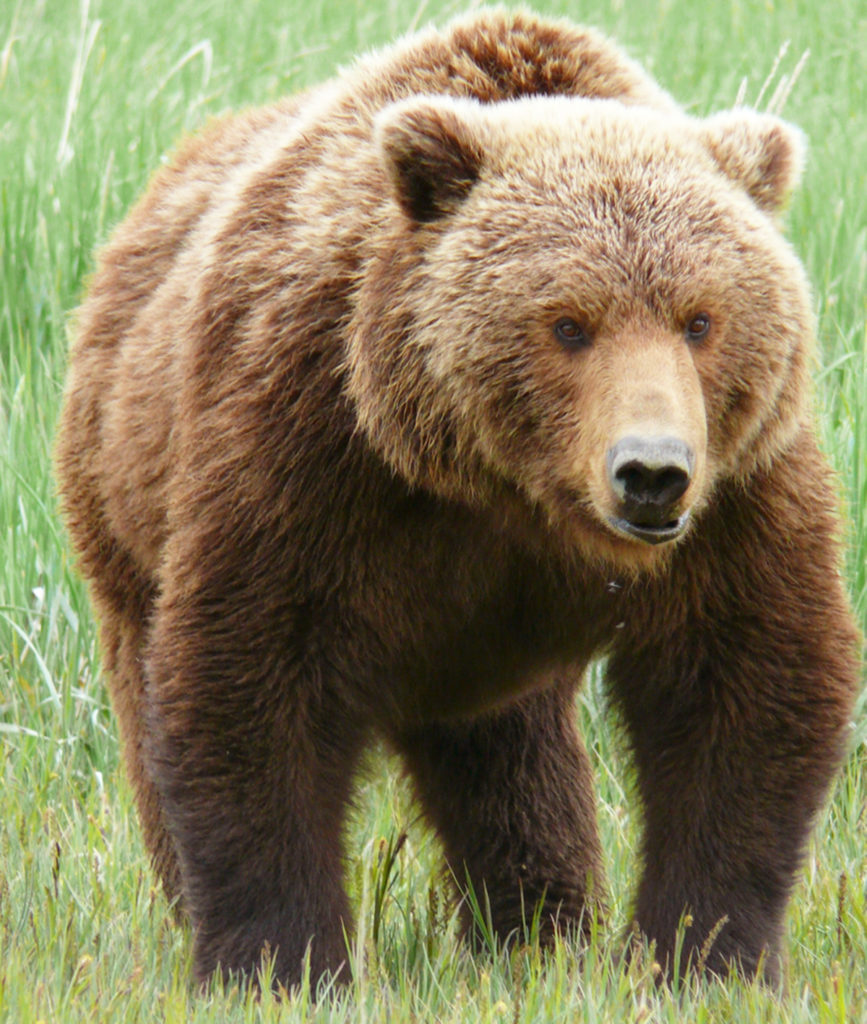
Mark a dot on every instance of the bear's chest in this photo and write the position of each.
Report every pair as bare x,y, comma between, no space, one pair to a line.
457,621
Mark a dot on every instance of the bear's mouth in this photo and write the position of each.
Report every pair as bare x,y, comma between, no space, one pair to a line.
648,533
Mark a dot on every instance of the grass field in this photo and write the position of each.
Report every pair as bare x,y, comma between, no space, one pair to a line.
92,95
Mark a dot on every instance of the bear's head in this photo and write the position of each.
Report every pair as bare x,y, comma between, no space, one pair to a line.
583,305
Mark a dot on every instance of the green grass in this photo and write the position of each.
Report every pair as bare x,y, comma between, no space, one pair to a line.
91,97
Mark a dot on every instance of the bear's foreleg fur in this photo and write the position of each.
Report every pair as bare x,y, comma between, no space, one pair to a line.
252,750
734,676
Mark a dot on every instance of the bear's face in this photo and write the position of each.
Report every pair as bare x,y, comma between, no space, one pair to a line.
586,303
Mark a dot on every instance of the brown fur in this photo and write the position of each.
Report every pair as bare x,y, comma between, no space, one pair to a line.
333,473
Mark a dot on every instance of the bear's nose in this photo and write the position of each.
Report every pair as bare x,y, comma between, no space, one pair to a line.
648,476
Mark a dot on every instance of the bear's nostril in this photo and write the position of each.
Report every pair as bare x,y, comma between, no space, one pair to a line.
649,476
659,485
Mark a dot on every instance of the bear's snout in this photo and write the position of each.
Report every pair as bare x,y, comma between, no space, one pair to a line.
649,476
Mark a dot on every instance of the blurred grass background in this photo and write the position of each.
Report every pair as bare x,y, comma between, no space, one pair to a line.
93,94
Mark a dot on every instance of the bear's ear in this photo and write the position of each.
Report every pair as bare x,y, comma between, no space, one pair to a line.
759,152
432,154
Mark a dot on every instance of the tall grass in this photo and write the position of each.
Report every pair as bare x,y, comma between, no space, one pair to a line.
92,95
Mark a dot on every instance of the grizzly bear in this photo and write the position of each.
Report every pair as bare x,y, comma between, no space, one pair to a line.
394,404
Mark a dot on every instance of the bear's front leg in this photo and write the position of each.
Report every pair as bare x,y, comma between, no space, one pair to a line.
735,674
511,795
253,754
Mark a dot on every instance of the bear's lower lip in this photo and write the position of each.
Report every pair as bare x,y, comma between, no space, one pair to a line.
651,534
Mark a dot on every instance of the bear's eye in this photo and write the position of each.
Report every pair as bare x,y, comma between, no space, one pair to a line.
570,333
698,327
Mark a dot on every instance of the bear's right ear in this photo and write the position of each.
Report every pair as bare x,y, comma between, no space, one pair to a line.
432,154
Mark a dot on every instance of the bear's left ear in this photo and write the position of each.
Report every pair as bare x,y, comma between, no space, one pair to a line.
759,152
432,154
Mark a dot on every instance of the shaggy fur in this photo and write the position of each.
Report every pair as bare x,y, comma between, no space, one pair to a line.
395,403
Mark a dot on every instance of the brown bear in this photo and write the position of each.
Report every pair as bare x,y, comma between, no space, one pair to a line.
394,404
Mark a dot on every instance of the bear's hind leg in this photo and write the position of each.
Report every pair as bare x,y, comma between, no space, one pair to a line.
123,633
511,795
123,597
122,591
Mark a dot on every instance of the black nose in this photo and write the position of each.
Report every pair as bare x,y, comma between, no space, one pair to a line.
649,476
